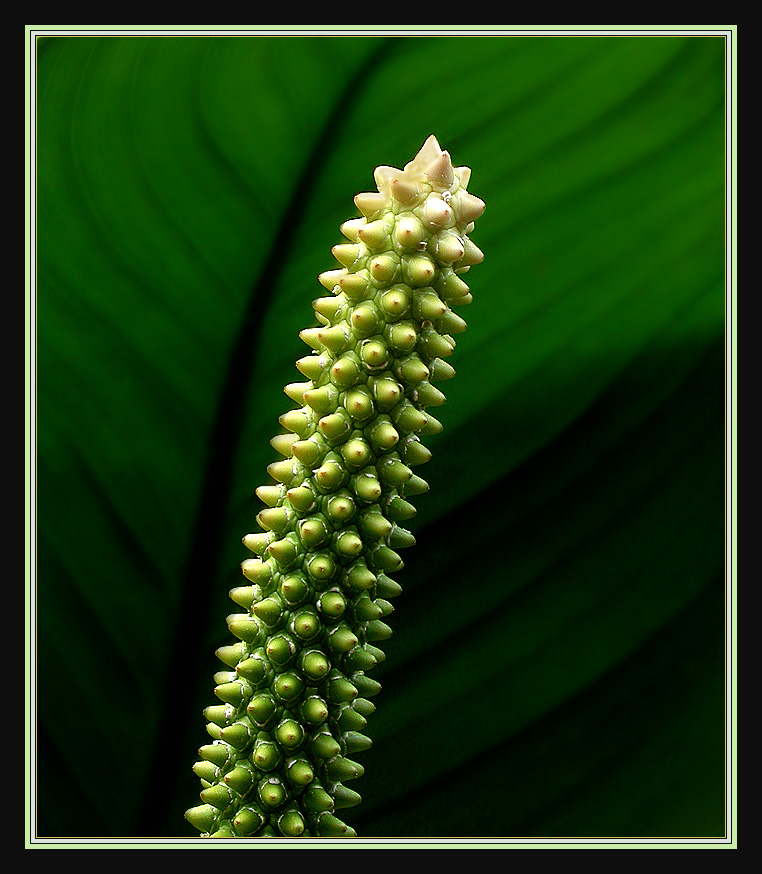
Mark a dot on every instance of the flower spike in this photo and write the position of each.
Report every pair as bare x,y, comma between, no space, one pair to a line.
293,697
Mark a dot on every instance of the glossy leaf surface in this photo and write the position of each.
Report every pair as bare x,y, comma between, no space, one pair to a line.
557,664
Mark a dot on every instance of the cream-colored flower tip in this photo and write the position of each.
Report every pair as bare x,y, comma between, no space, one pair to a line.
430,171
293,692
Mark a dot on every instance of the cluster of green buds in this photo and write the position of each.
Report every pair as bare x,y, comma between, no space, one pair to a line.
294,694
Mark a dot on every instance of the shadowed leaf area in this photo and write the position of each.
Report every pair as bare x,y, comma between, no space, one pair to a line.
557,667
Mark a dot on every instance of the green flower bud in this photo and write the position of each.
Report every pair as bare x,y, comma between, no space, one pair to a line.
294,697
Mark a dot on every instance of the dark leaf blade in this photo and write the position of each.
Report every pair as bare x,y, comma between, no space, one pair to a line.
165,170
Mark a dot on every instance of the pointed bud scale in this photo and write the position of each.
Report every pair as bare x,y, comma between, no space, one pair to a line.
349,719
345,371
300,772
356,453
374,524
240,779
354,285
321,567
340,508
348,543
314,710
449,248
365,707
313,531
331,279
384,435
441,370
340,769
312,366
371,202
295,693
334,339
401,538
282,471
467,207
291,824
382,269
202,817
315,665
354,742
375,234
345,797
408,419
217,753
418,270
471,255
416,486
393,472
399,510
378,630
284,551
365,609
288,686
366,687
359,578
206,771
296,421
317,800
248,821
365,319
322,400
395,303
429,396
351,228
280,650
409,232
230,655
342,639
262,708
272,793
275,519
367,487
415,452
266,755
269,495
437,213
310,336
330,826
306,624
358,402
253,669
243,595
258,544
427,304
374,354
324,745
301,498
309,452
451,288
281,443
440,172
347,254
243,627
334,426
360,659
405,191
294,588
238,735
268,610
451,323
332,604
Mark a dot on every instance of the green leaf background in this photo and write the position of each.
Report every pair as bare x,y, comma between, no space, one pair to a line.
557,668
